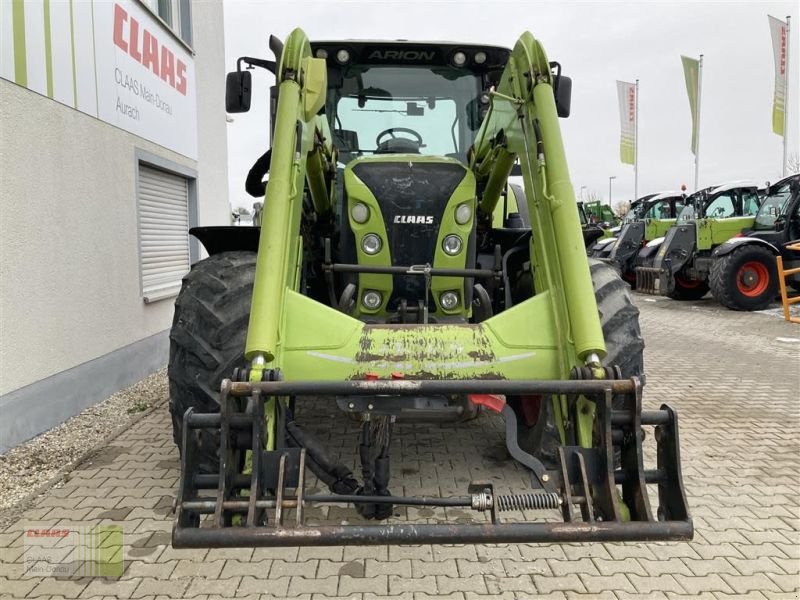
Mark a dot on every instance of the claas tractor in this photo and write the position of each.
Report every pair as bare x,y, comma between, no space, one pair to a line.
382,280
743,274
678,265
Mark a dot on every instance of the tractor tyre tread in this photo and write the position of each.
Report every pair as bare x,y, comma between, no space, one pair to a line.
619,319
722,278
207,340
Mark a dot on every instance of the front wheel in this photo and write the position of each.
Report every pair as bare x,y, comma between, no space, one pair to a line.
619,319
688,289
745,278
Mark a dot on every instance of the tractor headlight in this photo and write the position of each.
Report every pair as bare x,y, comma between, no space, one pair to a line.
371,244
372,299
359,212
463,214
449,300
480,58
322,53
459,59
451,245
343,56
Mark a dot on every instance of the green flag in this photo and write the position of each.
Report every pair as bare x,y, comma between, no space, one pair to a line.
691,73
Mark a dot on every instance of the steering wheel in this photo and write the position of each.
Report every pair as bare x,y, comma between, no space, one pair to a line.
392,130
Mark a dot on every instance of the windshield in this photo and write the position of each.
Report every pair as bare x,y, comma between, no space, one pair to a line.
411,109
774,206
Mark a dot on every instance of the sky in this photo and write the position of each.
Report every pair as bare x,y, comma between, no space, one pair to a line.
597,43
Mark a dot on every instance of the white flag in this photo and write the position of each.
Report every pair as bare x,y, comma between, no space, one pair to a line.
626,93
779,32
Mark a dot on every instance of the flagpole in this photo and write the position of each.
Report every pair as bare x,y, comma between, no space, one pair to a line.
697,133
785,168
636,147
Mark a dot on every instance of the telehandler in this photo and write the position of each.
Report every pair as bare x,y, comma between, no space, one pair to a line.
381,284
678,264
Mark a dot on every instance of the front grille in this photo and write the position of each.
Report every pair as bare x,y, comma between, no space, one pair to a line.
409,192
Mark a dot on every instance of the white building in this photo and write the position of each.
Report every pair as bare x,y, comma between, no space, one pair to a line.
112,144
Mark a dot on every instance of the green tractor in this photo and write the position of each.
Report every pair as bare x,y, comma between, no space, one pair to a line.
678,265
600,213
743,274
379,281
650,217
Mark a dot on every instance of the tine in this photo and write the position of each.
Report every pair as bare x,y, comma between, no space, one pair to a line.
567,509
279,492
587,508
300,491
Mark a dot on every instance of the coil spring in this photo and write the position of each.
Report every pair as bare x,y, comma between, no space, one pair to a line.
542,501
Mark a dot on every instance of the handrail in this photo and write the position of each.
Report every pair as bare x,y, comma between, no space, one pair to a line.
782,275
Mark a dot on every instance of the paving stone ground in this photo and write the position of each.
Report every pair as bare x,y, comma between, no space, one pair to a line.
733,377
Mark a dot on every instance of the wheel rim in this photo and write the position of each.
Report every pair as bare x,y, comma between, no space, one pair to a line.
752,280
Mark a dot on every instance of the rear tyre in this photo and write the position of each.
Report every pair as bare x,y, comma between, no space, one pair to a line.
688,289
745,278
619,319
207,340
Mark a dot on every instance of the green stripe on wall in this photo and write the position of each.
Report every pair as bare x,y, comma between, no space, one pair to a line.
20,56
48,49
74,66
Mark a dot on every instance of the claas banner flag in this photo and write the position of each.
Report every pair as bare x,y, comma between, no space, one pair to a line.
779,39
626,93
691,72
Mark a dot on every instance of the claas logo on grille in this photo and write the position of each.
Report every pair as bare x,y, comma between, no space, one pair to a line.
414,219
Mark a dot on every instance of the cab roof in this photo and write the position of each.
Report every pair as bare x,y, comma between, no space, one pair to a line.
407,52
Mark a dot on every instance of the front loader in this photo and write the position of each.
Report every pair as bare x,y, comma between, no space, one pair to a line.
381,283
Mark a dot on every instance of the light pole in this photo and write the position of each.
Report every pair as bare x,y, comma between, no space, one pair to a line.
610,179
583,187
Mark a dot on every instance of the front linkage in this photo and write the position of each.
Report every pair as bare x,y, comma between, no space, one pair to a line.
262,501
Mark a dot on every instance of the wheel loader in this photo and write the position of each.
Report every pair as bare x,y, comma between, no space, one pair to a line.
678,264
378,281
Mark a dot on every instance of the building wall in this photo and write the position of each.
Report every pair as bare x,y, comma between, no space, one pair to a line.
69,256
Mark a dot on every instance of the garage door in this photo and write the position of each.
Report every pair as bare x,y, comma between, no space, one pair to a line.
163,232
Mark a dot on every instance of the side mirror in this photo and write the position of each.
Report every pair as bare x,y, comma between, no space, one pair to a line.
563,93
238,86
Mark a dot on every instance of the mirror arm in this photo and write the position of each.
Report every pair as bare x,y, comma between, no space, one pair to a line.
269,65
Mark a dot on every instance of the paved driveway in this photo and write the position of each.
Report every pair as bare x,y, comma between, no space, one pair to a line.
733,378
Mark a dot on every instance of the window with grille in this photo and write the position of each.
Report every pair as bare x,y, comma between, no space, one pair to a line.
163,232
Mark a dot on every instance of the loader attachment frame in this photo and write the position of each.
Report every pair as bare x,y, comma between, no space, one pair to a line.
588,487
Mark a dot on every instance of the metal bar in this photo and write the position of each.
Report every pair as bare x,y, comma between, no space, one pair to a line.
408,533
207,505
400,270
649,417
409,387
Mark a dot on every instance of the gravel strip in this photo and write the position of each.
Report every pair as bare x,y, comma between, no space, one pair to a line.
42,461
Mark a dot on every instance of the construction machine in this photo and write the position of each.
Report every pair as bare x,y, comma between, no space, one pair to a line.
678,264
383,285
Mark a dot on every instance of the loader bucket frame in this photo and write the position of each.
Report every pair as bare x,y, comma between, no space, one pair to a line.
550,344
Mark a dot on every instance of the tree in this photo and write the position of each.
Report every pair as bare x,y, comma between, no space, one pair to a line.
793,163
622,208
592,196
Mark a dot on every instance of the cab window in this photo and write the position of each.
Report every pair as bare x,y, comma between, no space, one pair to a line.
722,206
749,203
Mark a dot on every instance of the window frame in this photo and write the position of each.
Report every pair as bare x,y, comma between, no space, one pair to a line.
176,28
153,161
